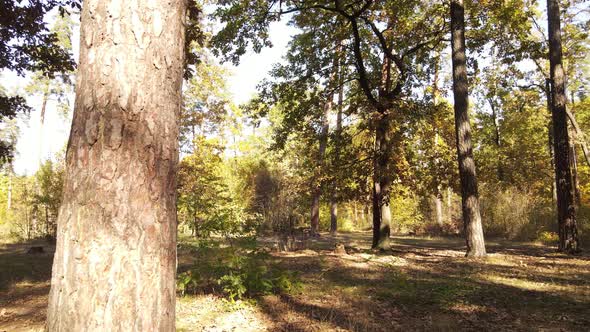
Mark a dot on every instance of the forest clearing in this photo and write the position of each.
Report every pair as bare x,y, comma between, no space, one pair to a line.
294,165
422,284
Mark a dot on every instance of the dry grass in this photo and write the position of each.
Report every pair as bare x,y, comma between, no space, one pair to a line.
421,284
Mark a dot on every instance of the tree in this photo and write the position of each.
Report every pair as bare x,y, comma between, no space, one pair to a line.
469,191
58,86
324,134
206,100
337,147
115,257
27,45
48,199
383,46
566,209
204,198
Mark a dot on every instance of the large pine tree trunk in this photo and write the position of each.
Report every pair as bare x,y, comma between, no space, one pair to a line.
469,192
114,266
566,210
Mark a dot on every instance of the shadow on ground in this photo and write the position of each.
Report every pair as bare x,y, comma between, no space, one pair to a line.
421,284
427,284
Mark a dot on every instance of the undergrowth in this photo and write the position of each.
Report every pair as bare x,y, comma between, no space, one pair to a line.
237,273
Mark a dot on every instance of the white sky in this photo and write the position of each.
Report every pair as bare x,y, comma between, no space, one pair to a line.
34,144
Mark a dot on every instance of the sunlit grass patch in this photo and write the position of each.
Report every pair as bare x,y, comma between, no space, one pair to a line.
202,312
527,284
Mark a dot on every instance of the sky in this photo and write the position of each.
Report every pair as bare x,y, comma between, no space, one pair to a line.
36,143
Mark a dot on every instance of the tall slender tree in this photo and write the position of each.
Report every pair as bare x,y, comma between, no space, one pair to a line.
115,258
566,209
337,147
469,192
316,187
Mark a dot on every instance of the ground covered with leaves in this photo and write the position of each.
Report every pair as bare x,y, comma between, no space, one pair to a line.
421,284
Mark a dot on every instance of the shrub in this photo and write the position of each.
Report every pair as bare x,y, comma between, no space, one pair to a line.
237,273
514,214
549,238
188,281
249,277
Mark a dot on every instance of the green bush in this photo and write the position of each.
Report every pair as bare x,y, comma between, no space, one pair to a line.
248,276
188,281
237,273
548,238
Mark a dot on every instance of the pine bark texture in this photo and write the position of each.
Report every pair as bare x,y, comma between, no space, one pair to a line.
115,261
566,210
469,191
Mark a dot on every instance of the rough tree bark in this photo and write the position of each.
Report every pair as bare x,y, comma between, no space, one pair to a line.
381,165
114,266
566,210
469,192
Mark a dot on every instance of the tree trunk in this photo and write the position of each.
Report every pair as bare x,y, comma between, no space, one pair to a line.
9,198
438,194
438,207
576,136
566,210
497,141
574,168
550,139
115,260
42,124
333,216
337,142
316,185
381,186
469,192
47,226
450,204
580,137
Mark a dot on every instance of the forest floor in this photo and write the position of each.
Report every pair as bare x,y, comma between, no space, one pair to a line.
422,284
